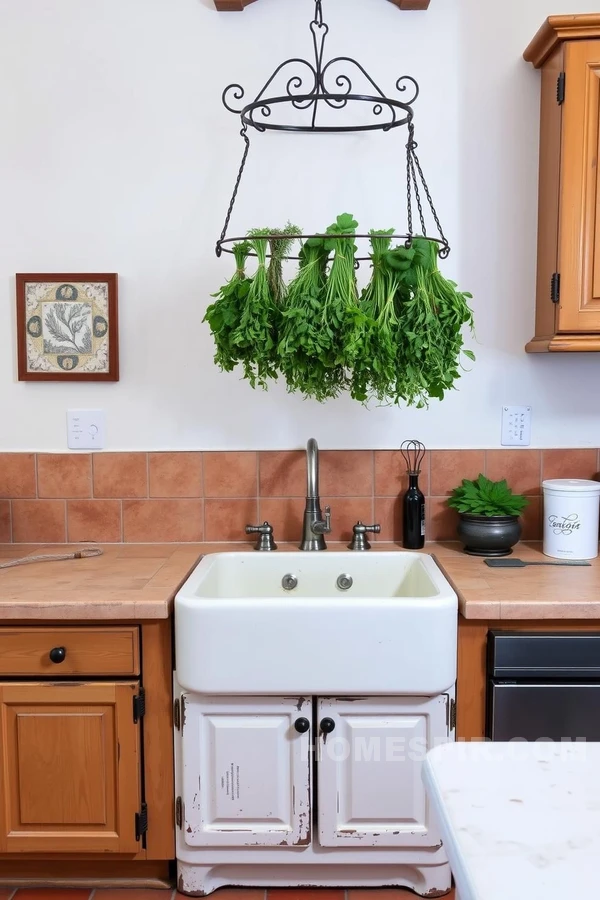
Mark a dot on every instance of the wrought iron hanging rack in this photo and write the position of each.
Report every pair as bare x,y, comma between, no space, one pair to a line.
307,91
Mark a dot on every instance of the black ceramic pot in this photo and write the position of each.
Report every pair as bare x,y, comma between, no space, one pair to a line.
489,535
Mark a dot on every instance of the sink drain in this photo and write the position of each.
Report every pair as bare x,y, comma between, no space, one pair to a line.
289,582
344,582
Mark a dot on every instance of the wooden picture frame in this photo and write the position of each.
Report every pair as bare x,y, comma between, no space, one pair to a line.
67,327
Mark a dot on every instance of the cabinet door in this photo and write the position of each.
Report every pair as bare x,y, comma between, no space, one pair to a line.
69,768
246,771
369,770
579,237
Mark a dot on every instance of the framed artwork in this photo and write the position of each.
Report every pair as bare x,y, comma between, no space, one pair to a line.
67,327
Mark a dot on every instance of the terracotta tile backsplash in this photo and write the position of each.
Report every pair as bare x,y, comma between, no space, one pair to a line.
193,496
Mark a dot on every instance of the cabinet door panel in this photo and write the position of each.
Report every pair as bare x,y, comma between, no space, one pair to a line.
370,788
69,768
246,772
579,239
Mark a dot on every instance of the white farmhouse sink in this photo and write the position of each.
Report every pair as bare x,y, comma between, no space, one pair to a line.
237,631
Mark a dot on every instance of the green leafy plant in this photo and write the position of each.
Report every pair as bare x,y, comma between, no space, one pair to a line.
223,316
483,497
255,337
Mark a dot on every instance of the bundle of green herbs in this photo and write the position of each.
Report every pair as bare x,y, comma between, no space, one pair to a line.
224,315
255,337
399,341
322,320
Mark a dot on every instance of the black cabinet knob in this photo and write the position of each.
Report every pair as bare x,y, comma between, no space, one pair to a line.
327,725
57,654
302,725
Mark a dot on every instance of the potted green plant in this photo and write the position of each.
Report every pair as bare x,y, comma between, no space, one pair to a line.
489,516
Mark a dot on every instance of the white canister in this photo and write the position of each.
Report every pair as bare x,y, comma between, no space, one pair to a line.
571,510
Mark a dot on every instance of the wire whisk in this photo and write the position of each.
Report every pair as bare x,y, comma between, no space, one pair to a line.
413,453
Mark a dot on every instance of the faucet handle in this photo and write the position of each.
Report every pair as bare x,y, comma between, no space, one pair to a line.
265,539
327,529
359,540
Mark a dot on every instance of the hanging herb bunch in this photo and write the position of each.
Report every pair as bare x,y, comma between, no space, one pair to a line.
400,340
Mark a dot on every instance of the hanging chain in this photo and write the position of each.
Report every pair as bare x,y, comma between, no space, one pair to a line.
244,134
411,131
318,12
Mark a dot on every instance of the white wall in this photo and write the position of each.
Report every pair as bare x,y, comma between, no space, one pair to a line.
116,155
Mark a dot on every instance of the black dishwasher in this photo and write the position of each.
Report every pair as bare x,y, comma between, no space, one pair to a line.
543,685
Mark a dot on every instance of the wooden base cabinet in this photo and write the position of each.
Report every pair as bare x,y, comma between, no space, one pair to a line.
70,762
86,760
567,50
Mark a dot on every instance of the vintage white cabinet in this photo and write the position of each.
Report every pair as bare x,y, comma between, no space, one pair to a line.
370,788
301,790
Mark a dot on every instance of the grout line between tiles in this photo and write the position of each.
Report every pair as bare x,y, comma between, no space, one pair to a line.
93,463
122,523
92,894
10,521
147,476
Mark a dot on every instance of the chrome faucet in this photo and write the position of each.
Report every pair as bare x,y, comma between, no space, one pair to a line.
314,525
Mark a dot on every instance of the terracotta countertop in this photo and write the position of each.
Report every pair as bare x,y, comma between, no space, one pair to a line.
139,582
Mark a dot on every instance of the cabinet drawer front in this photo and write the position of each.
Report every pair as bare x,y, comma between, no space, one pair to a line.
57,652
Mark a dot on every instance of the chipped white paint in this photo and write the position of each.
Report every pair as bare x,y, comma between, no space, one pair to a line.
246,772
274,792
519,821
370,788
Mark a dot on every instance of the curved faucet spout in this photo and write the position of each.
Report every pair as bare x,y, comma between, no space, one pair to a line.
312,469
314,526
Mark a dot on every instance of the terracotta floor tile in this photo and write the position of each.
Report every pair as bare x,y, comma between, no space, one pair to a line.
226,893
6,894
132,894
306,894
387,894
52,894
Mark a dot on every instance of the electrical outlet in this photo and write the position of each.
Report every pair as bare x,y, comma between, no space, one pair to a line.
86,429
516,426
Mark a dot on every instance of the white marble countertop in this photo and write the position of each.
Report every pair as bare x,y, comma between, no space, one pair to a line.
519,821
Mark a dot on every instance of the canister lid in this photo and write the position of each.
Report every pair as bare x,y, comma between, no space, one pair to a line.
572,485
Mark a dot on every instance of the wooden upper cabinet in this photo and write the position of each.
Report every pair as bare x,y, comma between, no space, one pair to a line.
69,768
567,50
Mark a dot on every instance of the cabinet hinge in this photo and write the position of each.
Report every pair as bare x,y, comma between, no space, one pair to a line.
560,88
141,822
452,716
179,812
555,288
177,714
139,705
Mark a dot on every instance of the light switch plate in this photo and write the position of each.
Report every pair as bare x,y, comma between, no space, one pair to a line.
516,426
86,429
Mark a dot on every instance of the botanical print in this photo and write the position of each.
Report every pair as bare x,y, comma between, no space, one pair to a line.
67,327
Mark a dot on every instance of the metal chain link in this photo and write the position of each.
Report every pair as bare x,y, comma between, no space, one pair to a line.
445,250
244,134
411,131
